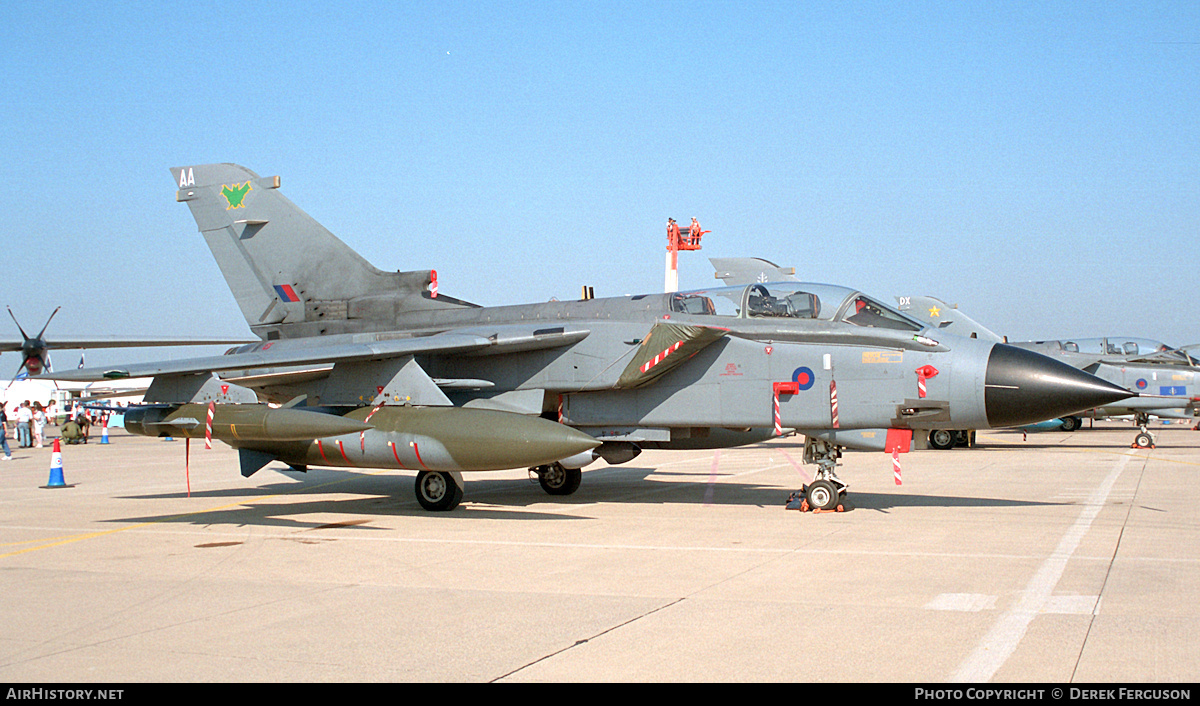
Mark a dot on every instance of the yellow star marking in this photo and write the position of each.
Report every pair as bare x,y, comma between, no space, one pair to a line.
934,311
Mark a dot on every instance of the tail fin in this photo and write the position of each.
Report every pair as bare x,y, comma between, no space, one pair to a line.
290,276
945,317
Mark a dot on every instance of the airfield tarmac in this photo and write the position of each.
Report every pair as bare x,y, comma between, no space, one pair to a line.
1064,557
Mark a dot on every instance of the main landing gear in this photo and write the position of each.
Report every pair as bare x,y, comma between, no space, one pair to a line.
947,438
1144,439
557,479
439,490
827,492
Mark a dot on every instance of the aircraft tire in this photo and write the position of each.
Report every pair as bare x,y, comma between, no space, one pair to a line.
1071,423
1143,440
822,495
438,491
942,439
556,479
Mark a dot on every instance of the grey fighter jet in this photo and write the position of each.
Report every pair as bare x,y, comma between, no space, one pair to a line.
1166,379
1134,363
379,369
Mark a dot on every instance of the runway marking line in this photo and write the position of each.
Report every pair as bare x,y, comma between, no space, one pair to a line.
994,649
71,539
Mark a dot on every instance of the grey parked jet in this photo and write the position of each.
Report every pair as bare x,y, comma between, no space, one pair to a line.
379,369
1166,378
1132,363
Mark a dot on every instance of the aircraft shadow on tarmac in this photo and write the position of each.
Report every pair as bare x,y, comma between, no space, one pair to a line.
391,495
1047,444
1013,445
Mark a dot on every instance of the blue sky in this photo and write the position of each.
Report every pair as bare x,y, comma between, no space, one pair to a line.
1036,163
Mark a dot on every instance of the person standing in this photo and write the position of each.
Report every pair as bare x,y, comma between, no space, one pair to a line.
24,421
4,434
39,423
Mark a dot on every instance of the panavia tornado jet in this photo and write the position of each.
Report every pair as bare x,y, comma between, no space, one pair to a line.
378,369
1166,379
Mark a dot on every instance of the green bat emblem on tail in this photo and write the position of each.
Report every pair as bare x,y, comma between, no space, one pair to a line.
234,194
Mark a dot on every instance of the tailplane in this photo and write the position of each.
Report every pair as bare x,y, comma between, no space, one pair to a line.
290,276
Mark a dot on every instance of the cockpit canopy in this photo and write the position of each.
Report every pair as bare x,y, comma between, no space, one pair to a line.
793,300
1113,346
1137,350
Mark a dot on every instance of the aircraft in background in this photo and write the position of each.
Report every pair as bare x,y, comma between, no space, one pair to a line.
1166,378
378,369
35,350
946,317
1122,349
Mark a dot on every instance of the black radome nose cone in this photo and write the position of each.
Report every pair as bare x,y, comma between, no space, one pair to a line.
1023,387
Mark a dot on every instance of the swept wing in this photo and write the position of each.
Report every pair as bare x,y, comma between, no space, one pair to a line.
342,349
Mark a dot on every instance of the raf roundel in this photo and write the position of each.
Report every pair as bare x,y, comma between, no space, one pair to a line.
803,377
1141,383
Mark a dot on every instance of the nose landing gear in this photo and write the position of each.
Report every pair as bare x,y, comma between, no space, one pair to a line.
827,492
1144,439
